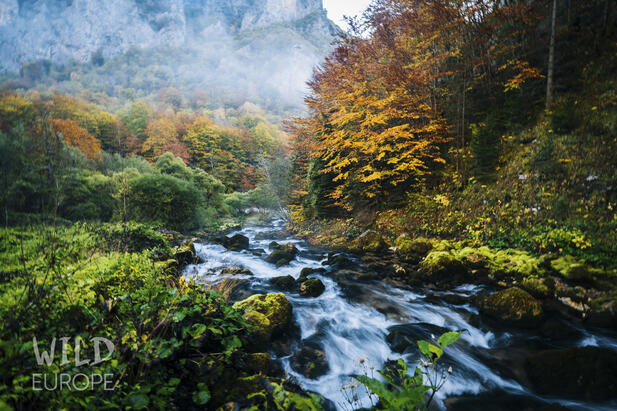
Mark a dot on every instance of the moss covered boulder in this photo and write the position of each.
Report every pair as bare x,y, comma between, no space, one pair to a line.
313,287
442,266
371,242
412,250
513,305
574,270
269,314
283,254
185,254
586,373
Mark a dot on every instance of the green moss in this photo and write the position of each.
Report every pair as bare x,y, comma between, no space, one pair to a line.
268,313
538,287
575,270
412,250
514,305
442,265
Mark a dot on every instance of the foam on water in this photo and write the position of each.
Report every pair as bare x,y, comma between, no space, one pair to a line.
353,333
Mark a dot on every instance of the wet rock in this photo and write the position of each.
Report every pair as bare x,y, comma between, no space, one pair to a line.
258,252
306,271
236,271
338,260
442,266
233,289
603,313
312,288
285,282
371,241
560,331
404,338
574,270
539,287
185,254
268,314
412,250
310,362
586,373
283,254
237,242
455,299
513,305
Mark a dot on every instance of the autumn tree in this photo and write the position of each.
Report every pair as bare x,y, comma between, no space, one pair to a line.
78,137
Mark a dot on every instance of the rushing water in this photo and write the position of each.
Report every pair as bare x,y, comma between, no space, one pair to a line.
350,322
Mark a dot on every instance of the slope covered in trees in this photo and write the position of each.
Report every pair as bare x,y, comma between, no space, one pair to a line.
431,118
63,156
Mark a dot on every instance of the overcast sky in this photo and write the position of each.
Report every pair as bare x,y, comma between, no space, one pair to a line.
339,8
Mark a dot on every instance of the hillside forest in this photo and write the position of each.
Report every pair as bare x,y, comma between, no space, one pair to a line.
435,228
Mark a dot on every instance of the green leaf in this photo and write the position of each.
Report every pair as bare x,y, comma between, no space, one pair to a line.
202,395
138,401
197,330
429,350
448,338
376,387
179,316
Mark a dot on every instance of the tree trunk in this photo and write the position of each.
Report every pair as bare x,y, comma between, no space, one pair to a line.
551,59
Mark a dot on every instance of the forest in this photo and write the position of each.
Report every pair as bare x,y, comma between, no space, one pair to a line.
435,228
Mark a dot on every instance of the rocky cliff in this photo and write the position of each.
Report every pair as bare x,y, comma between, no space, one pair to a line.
64,30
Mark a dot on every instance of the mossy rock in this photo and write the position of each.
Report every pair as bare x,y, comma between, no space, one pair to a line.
442,266
185,254
283,254
285,282
312,288
539,287
584,373
574,270
513,305
412,250
269,314
371,242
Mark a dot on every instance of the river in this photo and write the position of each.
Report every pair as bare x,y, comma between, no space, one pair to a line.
350,321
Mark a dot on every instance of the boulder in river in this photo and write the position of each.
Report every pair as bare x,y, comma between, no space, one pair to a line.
269,314
513,305
283,254
237,242
233,288
313,287
585,373
306,271
236,271
285,282
310,362
404,338
185,254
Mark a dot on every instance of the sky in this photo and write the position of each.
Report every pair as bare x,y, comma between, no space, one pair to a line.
339,8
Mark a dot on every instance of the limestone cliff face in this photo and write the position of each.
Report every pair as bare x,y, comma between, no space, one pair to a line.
64,30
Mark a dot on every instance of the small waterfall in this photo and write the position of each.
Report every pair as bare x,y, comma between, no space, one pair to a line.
350,323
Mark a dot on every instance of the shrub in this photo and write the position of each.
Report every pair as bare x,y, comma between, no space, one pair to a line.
166,199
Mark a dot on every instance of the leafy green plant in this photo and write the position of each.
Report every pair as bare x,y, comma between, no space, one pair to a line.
401,391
